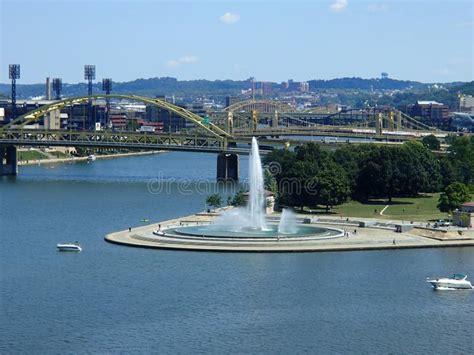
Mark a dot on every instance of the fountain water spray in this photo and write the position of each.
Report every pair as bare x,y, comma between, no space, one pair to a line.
287,223
253,216
256,202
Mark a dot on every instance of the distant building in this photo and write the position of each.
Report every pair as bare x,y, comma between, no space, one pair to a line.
432,111
266,87
170,121
304,86
384,76
230,100
48,89
52,120
465,216
118,120
466,104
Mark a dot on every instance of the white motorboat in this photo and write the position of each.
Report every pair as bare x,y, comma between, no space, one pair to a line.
456,282
91,157
69,247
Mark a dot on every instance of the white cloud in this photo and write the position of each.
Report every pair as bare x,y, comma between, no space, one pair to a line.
172,63
338,5
229,18
377,7
187,59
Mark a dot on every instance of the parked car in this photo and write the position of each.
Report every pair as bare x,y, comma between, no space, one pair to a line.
442,223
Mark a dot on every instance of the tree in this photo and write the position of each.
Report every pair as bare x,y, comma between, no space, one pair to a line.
270,182
421,168
214,200
333,188
239,199
312,178
431,142
449,173
461,153
453,197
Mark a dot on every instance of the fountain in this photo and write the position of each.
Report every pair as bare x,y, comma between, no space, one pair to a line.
251,218
256,202
249,222
288,222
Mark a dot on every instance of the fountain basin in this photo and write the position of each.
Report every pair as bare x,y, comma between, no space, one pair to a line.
270,232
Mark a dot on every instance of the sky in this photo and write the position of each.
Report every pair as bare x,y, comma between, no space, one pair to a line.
424,40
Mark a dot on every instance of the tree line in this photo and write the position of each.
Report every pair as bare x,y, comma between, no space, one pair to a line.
311,176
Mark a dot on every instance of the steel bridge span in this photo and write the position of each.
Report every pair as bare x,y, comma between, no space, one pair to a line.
206,136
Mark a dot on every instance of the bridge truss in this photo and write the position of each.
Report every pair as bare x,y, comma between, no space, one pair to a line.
116,140
207,128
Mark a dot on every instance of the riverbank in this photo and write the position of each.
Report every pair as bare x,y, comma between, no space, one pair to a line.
74,159
363,235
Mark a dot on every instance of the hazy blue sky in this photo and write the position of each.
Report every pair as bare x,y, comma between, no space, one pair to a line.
430,41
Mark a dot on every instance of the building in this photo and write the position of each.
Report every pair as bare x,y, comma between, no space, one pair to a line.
465,216
304,86
431,111
52,120
466,104
169,121
267,87
230,100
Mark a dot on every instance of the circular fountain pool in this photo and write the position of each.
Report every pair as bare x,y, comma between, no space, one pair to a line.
217,231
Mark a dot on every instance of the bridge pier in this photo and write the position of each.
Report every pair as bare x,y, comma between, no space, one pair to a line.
227,167
8,160
275,120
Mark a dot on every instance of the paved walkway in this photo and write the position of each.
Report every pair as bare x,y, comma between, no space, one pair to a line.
361,238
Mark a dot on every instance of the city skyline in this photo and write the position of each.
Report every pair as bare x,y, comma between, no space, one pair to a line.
272,41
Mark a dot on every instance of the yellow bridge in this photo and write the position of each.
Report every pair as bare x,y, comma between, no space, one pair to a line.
227,133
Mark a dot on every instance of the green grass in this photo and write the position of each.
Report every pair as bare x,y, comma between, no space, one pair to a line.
60,155
30,155
422,208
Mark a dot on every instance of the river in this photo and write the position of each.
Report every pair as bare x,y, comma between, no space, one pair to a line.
111,298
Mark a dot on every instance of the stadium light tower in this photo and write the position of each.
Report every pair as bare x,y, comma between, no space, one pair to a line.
89,75
14,73
57,87
107,87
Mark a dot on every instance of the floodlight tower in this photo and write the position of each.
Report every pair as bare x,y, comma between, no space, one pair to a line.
107,87
57,87
89,75
14,73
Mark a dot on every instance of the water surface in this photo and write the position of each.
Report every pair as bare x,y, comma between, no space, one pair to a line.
111,298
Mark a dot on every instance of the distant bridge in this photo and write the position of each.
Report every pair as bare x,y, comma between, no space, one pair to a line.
228,135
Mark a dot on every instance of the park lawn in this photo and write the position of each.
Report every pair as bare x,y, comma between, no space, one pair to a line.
60,155
30,155
422,208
